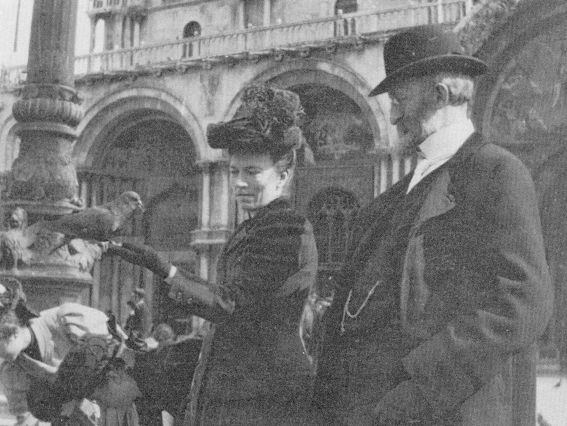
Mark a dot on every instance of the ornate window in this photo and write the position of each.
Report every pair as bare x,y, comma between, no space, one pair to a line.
330,212
192,29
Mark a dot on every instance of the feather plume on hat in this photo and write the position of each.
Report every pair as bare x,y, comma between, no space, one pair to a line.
267,121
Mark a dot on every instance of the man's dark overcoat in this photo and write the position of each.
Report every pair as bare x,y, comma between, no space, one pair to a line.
473,289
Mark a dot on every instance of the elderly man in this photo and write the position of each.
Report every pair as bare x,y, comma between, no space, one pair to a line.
447,277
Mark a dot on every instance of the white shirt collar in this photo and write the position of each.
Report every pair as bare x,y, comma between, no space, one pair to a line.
444,143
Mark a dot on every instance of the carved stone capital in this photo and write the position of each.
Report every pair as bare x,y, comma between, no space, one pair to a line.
44,172
48,102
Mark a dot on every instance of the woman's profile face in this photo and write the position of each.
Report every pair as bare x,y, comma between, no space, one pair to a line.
255,180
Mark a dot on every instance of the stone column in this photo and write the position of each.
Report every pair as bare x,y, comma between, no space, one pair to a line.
440,14
43,176
43,181
267,13
92,42
136,38
205,195
214,230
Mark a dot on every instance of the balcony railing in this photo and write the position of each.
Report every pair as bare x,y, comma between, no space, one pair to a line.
107,5
266,38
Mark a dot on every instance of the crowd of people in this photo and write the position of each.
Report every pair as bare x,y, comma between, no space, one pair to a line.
445,280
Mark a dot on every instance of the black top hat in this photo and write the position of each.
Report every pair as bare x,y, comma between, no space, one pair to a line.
425,50
267,121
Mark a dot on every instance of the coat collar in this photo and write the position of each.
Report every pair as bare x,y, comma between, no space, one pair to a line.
442,198
373,220
242,230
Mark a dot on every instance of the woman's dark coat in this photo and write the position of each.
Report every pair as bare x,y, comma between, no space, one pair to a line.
253,369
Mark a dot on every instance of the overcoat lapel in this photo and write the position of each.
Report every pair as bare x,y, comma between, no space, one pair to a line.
369,228
442,198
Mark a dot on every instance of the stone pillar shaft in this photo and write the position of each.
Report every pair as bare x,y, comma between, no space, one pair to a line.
43,181
43,176
52,42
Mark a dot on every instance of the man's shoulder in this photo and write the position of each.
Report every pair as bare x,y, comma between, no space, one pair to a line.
491,168
488,155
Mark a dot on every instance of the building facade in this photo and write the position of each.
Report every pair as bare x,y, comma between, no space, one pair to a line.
158,72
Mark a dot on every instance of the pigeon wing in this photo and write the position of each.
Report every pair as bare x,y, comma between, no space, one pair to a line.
95,223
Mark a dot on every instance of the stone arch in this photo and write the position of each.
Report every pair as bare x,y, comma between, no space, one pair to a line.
100,119
332,75
192,29
147,141
521,104
501,49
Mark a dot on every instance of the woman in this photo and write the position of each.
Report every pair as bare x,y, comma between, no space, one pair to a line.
56,362
252,369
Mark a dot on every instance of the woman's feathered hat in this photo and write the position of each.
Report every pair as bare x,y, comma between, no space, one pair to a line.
268,120
13,298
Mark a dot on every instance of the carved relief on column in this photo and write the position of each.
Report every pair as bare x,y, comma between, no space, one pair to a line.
43,181
43,177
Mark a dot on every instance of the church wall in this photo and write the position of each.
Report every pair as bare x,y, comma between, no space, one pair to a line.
214,18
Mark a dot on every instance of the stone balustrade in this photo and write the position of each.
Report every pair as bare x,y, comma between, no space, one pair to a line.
252,40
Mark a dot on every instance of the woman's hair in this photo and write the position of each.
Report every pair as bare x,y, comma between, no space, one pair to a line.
14,311
267,123
9,324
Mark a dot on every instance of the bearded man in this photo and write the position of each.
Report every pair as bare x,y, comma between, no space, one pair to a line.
447,277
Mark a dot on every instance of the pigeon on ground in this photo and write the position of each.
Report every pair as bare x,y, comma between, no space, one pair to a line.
97,223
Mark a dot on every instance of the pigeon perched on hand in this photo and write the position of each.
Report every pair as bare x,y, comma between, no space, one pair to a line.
99,222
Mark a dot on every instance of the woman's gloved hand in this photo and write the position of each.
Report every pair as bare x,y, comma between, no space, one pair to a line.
142,255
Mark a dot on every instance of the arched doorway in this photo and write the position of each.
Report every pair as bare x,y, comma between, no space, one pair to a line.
337,175
339,138
149,152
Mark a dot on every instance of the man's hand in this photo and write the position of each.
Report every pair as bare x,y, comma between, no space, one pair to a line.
404,405
142,255
26,419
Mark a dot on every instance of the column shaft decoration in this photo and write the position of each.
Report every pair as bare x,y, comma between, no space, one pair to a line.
48,110
43,184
